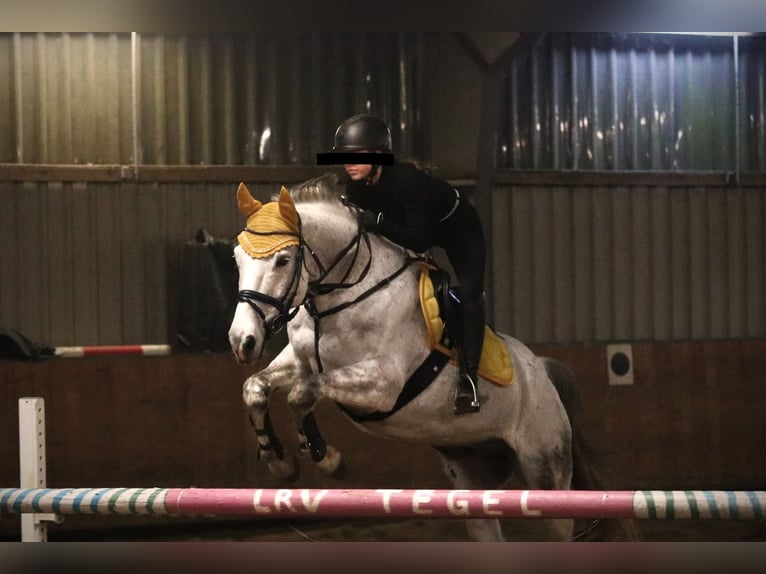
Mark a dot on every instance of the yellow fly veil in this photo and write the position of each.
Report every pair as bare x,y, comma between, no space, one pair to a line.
271,226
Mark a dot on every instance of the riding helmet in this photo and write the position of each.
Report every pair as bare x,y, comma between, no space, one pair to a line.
357,133
362,132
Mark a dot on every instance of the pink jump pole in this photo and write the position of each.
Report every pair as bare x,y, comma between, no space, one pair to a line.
335,503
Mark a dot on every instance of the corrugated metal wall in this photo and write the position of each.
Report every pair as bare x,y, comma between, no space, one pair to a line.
752,75
272,99
635,102
68,98
260,98
603,262
580,264
100,264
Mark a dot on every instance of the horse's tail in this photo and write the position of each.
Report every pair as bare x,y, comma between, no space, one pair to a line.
585,474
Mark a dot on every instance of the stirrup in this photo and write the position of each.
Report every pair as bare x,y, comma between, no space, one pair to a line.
466,398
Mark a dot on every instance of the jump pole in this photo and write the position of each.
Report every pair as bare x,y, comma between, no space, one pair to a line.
388,503
98,351
38,504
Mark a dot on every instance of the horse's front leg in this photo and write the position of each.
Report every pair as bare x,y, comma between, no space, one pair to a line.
313,446
281,372
361,385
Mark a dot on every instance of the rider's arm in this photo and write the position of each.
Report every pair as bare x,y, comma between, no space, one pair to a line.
417,230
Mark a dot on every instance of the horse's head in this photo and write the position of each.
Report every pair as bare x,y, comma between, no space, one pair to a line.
284,257
271,279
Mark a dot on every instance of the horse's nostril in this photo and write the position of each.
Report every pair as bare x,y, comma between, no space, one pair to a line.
249,344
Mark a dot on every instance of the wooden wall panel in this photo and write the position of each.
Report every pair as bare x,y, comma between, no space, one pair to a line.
85,288
61,260
693,418
176,421
10,261
601,263
101,263
83,263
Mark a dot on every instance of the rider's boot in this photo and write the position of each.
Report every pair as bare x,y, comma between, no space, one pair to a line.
469,354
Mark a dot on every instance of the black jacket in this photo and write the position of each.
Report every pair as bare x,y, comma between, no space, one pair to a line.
417,208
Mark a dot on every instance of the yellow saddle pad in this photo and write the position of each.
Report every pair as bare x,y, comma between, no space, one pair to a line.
495,364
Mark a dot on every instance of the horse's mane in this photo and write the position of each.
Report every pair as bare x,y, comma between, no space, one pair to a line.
326,187
329,187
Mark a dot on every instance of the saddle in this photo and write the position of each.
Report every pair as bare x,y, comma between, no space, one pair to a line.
441,305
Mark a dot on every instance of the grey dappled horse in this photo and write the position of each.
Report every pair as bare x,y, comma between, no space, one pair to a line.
356,334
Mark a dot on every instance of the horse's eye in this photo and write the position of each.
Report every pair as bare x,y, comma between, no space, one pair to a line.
283,260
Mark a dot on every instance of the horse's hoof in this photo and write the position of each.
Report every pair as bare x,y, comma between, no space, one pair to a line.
287,469
340,470
332,464
293,476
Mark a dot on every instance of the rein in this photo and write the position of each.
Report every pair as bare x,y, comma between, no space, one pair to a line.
310,306
318,287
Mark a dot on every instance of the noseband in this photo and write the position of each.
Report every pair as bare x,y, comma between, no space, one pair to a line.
315,288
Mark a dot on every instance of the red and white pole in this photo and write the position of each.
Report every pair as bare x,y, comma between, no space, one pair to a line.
95,351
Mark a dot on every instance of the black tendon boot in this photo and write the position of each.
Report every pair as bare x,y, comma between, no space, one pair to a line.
469,353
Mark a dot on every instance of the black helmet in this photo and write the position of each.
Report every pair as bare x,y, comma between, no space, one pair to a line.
357,133
362,133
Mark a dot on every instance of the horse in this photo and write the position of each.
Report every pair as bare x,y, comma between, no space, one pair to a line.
356,334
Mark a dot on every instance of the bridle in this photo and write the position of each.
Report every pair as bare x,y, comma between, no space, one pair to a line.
252,298
318,286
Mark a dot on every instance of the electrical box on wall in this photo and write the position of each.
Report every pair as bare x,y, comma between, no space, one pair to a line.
619,364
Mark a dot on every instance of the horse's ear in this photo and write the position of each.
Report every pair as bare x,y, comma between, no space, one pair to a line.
287,207
246,202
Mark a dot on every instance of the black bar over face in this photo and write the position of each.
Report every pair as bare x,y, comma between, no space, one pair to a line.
343,158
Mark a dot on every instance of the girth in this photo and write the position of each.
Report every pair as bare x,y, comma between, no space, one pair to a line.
423,376
430,368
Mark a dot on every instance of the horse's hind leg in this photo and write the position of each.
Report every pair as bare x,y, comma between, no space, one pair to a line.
549,471
486,466
544,460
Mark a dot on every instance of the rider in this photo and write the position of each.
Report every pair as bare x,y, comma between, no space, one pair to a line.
418,211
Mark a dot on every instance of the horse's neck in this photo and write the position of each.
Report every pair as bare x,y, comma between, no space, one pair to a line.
329,229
